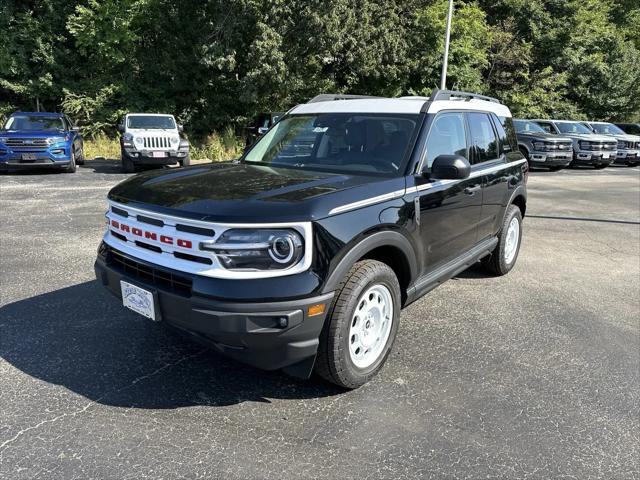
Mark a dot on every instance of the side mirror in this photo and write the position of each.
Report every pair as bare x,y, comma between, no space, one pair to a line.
262,130
180,128
449,167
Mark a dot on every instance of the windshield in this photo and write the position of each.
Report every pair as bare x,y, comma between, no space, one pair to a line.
34,122
525,126
151,122
572,127
607,129
340,142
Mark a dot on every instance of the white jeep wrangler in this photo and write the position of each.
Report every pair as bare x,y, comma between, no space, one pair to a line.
151,139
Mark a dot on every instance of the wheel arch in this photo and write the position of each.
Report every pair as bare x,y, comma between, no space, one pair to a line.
519,199
389,247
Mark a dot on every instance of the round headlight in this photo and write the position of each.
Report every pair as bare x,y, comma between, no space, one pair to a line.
282,249
175,140
138,140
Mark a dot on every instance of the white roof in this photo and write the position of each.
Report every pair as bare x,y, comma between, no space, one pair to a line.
150,114
407,105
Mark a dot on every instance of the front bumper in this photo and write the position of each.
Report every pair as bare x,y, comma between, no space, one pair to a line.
551,159
628,156
17,159
595,158
142,157
267,335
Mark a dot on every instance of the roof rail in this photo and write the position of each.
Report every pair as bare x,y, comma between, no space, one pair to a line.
328,97
438,94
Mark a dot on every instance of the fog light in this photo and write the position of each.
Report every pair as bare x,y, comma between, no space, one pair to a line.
283,322
316,310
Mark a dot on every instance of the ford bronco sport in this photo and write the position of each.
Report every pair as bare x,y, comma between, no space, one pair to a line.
301,254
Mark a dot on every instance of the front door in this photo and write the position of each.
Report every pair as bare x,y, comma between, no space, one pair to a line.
449,209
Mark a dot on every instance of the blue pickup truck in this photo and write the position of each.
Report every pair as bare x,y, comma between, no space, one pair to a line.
39,139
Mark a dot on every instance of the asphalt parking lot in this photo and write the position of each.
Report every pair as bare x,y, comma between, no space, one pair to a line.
532,375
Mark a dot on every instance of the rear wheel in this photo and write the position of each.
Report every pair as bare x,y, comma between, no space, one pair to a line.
504,256
359,333
80,156
71,168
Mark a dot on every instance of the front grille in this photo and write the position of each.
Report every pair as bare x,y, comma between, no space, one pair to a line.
156,142
27,144
622,144
610,146
159,278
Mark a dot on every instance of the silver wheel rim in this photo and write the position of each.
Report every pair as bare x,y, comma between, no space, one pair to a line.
511,243
370,326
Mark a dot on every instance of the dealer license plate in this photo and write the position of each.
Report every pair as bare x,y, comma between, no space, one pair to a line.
29,156
158,154
138,299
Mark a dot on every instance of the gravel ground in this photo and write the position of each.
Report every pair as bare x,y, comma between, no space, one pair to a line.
532,375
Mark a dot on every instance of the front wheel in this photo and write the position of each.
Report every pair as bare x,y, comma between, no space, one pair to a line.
504,256
359,333
186,161
127,164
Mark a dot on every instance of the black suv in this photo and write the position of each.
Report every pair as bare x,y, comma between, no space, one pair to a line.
301,254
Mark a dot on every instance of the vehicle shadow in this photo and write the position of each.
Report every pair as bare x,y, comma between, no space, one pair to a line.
81,338
103,165
475,271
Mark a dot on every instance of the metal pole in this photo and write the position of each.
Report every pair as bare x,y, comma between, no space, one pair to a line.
445,62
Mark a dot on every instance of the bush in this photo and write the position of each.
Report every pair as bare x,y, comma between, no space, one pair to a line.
101,146
214,147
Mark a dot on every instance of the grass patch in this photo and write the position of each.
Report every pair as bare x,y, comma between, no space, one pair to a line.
101,146
215,147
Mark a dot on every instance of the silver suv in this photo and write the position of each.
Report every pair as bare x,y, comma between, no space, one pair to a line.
597,151
628,145
542,149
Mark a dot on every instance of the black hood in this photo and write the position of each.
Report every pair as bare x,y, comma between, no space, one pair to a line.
237,192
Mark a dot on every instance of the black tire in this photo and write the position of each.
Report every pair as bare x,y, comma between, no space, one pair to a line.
497,263
80,156
186,161
127,164
333,362
525,154
632,164
600,167
555,168
71,168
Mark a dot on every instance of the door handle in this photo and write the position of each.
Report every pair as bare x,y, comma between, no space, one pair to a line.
471,191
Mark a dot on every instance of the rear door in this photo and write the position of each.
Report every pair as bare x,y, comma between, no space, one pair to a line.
449,209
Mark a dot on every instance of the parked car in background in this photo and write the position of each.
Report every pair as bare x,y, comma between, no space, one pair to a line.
301,255
260,125
597,151
542,149
628,145
40,139
152,139
631,128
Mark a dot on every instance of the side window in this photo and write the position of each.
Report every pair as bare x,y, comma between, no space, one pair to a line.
546,127
483,138
507,124
446,137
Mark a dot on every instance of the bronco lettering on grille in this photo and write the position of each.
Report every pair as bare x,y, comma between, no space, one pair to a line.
180,242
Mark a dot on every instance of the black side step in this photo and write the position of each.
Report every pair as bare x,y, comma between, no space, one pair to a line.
431,280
